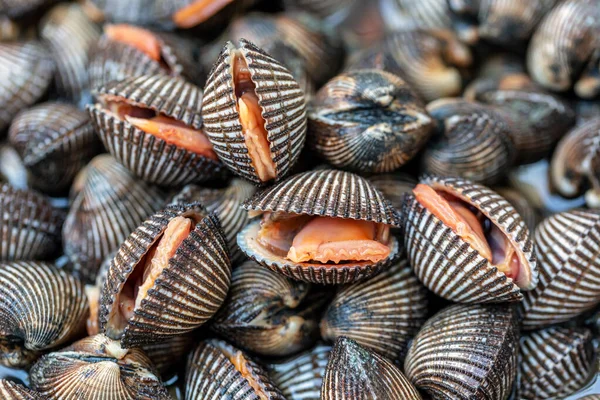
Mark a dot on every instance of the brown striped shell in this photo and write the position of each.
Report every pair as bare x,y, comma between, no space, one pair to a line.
367,121
448,265
55,140
13,391
576,163
328,193
97,368
355,373
149,157
29,225
267,313
466,352
567,39
382,314
300,377
554,362
27,72
567,245
166,355
41,308
217,370
281,103
108,206
524,208
185,294
465,128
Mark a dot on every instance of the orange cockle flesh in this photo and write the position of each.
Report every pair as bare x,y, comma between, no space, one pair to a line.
140,38
198,12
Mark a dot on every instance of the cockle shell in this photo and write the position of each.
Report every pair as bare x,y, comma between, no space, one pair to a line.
13,391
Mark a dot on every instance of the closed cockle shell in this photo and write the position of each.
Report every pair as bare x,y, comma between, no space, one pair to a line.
156,159
449,264
248,76
108,206
567,245
466,352
382,314
300,377
554,362
41,307
27,70
267,313
321,193
97,368
29,225
168,277
217,370
355,373
13,391
367,121
55,140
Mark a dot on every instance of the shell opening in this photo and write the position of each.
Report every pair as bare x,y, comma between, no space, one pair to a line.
163,127
476,229
142,39
306,238
253,123
198,12
241,365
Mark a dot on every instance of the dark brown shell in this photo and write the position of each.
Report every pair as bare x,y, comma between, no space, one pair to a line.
166,355
187,292
13,391
149,157
367,121
211,375
281,101
459,273
466,352
355,373
394,186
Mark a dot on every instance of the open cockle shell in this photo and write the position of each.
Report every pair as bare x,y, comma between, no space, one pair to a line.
10,390
329,193
448,265
282,107
184,294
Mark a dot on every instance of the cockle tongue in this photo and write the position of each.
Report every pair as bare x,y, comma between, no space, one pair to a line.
141,39
198,12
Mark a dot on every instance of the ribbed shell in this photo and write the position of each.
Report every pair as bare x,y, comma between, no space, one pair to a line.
523,207
554,362
433,14
109,206
355,373
212,376
226,203
473,142
41,307
13,391
97,368
168,354
301,377
29,225
447,264
280,99
69,35
465,352
567,246
55,140
394,186
27,70
382,314
367,121
149,157
187,292
137,12
266,313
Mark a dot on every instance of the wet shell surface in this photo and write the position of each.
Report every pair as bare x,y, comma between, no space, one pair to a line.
13,391
29,225
109,205
282,108
41,307
267,313
148,156
567,246
185,292
465,352
524,208
54,140
367,121
328,193
27,72
449,265
354,372
97,368
381,314
217,370
554,362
